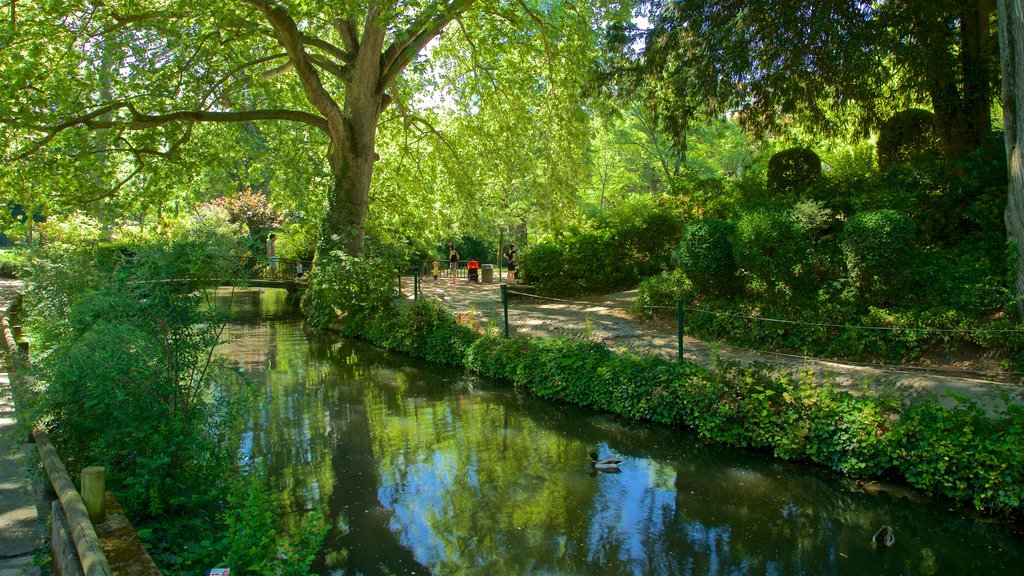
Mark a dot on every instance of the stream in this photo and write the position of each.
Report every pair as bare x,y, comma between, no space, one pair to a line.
424,469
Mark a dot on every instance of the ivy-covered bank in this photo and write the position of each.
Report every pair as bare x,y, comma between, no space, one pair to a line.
959,452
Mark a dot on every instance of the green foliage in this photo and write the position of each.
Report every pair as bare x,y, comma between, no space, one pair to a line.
424,329
792,170
630,241
963,453
13,263
645,231
583,262
125,357
773,256
879,247
249,539
908,136
343,289
662,290
122,343
707,255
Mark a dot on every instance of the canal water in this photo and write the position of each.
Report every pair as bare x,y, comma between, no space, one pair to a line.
430,470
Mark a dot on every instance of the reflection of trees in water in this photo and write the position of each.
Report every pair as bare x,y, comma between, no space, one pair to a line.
422,471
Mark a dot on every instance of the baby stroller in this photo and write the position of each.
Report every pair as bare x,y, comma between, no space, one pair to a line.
473,271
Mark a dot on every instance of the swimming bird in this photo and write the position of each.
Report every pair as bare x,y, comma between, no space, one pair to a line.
605,464
884,538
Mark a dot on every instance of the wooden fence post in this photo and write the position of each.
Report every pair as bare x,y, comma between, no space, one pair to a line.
93,491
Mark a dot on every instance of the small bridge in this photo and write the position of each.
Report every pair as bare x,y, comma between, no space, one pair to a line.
291,285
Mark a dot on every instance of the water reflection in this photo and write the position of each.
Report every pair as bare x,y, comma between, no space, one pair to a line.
429,470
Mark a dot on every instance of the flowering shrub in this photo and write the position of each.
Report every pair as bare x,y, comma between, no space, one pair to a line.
252,209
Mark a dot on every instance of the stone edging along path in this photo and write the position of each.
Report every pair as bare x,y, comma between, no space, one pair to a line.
605,319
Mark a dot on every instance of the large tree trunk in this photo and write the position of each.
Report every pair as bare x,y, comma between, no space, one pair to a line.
1011,48
352,153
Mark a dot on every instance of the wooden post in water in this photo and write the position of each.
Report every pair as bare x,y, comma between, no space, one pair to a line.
93,490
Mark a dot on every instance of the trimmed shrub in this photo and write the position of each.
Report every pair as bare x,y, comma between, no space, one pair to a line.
907,136
588,261
707,256
792,170
879,247
772,254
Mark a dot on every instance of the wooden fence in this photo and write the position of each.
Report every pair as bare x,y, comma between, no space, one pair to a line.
74,545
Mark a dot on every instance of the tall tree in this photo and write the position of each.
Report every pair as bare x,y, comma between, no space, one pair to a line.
332,67
1011,43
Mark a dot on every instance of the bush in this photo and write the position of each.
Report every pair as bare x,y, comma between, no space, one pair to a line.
13,263
646,234
584,262
792,170
123,354
707,256
346,290
907,136
879,247
663,290
127,371
773,256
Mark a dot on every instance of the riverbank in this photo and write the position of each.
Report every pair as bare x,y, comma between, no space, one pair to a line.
605,319
949,446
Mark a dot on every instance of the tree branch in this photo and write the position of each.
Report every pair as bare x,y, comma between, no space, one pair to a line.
329,48
416,37
139,121
339,72
291,39
347,30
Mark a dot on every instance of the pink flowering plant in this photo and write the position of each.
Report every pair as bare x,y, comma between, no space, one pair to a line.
252,209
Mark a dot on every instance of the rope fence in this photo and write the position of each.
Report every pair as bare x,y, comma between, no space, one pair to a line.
780,320
682,309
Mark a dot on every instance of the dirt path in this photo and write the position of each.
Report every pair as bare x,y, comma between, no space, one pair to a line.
606,319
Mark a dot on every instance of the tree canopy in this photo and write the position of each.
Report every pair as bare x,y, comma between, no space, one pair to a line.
97,91
832,65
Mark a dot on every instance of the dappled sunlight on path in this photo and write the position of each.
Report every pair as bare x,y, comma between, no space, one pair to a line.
606,319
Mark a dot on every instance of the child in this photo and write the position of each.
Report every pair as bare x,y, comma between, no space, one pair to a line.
298,270
436,271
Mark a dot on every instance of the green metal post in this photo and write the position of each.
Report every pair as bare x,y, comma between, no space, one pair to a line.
415,284
679,324
504,304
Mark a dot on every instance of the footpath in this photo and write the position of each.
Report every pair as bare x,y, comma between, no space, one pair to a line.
21,531
606,319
